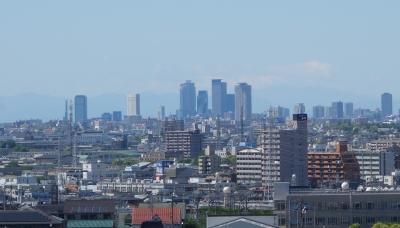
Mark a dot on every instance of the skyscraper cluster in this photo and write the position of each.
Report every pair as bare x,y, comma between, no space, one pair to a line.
223,104
340,110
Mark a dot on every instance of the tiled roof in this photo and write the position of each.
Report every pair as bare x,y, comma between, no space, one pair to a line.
89,206
140,215
90,223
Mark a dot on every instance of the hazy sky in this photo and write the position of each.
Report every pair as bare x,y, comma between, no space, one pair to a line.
285,50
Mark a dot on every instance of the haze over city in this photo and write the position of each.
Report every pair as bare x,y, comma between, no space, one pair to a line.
105,50
199,114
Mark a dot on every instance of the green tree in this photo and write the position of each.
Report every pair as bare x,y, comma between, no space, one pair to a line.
230,160
191,223
356,225
124,162
8,144
19,148
380,225
12,164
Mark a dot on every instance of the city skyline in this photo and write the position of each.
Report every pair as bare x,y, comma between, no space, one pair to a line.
39,55
53,108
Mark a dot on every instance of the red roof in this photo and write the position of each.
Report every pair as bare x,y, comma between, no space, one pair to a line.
140,215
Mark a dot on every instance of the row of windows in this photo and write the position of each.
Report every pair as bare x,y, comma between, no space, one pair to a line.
370,205
345,221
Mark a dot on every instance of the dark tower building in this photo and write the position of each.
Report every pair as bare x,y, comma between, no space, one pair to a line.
187,100
80,109
202,102
386,104
218,97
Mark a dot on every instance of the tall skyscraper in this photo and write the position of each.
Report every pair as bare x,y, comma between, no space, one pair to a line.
243,102
299,108
337,110
318,112
386,104
66,111
133,105
218,97
161,112
279,113
187,99
328,112
117,116
202,102
348,109
80,109
230,103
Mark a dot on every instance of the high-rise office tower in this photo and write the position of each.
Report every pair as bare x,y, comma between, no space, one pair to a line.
161,112
318,112
230,103
106,116
348,109
133,105
80,109
386,104
187,106
243,102
117,116
337,110
299,108
328,112
218,97
280,113
66,116
202,102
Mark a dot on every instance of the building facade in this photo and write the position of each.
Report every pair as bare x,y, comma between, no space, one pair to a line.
202,103
183,144
133,105
80,109
243,106
284,154
248,166
386,104
187,107
219,91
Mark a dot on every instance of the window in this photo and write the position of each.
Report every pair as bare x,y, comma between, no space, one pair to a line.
357,205
357,219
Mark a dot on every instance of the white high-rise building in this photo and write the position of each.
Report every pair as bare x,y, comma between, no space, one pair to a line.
133,105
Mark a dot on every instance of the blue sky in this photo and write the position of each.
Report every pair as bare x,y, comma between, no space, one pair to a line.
299,51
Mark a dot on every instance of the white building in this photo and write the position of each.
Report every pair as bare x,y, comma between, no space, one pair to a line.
374,164
133,105
248,165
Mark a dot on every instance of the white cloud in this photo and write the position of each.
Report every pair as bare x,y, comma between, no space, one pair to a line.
316,67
